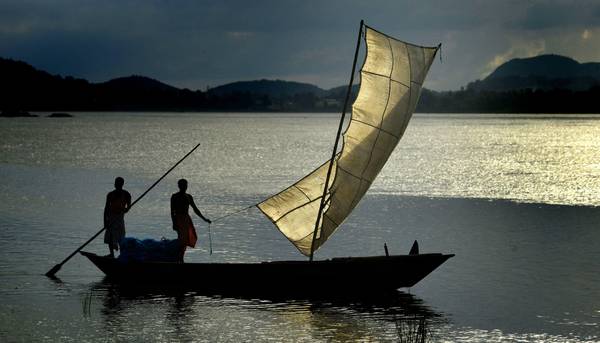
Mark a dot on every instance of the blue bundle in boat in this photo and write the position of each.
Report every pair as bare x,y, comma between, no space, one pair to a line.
149,250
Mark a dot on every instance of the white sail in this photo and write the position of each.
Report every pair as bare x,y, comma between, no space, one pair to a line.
391,80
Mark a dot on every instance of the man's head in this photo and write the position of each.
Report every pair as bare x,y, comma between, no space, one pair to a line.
182,184
119,183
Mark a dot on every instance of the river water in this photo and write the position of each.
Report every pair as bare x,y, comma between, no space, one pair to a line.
513,196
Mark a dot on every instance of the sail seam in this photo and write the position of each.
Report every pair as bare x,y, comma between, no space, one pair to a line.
284,235
333,221
349,173
373,126
354,176
295,208
301,191
387,77
402,83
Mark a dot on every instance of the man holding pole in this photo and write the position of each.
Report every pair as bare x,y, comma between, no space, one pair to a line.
118,203
52,272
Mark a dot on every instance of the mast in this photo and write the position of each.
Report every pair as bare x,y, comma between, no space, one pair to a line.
337,139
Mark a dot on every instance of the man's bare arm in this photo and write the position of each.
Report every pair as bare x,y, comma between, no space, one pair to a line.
197,211
128,204
173,212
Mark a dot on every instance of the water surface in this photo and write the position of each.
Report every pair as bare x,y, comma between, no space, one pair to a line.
512,196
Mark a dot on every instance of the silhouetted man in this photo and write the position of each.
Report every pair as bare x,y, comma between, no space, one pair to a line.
118,203
182,222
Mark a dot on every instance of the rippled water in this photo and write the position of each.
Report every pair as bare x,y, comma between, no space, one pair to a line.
512,196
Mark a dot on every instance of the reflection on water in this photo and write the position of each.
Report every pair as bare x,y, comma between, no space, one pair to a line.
413,330
184,316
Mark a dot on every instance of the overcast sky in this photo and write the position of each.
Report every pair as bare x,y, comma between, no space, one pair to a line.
196,44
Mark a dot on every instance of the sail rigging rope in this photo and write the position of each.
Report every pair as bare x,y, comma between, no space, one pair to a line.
209,240
235,212
221,218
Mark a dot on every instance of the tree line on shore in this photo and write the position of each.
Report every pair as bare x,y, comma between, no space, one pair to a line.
26,88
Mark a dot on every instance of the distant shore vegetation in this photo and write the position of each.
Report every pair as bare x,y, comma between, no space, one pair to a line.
574,89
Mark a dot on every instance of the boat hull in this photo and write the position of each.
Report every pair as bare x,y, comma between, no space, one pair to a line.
339,275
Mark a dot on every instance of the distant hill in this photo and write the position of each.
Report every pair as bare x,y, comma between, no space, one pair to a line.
544,72
279,88
340,92
23,87
139,83
20,74
273,88
143,93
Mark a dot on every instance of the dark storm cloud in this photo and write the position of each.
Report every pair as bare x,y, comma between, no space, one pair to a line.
198,43
560,14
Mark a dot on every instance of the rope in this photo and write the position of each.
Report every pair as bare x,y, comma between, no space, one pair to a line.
209,240
440,48
210,249
234,213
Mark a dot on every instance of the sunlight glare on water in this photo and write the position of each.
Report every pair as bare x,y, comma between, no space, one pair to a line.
549,159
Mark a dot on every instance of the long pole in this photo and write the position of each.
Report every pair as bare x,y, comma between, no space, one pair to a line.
337,139
57,267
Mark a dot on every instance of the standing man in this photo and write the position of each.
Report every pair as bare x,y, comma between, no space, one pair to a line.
118,203
182,222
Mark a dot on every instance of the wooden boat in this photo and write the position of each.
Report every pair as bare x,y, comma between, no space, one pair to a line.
337,275
308,212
